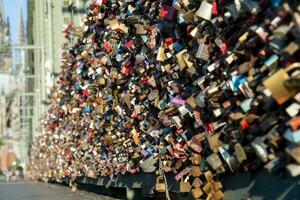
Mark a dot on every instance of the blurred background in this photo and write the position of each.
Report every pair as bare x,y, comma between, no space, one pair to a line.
31,36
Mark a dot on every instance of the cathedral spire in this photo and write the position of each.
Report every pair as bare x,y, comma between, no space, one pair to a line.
21,34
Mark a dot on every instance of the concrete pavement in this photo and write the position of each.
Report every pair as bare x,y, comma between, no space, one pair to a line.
23,190
262,186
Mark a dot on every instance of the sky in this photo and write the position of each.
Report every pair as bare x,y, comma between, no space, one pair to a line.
11,10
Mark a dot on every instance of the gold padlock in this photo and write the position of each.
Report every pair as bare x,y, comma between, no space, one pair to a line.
101,81
159,186
275,84
197,182
197,193
185,186
196,171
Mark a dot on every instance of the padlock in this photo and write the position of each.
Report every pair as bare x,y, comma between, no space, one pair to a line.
218,195
197,193
196,171
91,174
196,159
160,186
275,83
217,185
205,10
209,176
197,182
185,186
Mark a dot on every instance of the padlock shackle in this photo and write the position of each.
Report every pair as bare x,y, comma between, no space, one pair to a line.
159,178
293,67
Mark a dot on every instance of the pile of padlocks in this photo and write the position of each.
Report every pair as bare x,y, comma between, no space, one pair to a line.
200,88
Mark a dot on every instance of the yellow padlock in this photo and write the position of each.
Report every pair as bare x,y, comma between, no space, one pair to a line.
275,84
160,186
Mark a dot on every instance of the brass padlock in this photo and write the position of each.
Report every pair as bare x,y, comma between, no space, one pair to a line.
91,174
209,176
196,171
196,159
208,188
160,186
218,195
197,193
185,186
101,81
275,84
217,185
197,182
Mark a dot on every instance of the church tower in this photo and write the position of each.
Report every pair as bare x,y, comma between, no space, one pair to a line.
19,57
